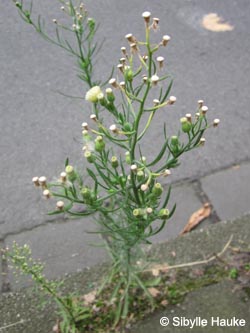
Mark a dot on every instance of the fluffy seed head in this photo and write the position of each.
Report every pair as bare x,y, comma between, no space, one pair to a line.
93,117
172,100
85,126
60,205
146,16
165,40
113,128
35,181
42,180
63,176
200,103
154,79
202,141
204,109
46,194
216,122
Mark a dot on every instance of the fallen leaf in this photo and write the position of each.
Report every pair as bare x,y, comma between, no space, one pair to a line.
90,297
164,302
213,22
197,217
153,292
157,269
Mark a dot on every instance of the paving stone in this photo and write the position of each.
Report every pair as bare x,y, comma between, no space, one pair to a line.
1,271
229,191
184,195
63,247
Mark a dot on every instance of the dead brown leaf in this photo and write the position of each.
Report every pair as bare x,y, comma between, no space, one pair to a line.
157,269
215,23
154,292
90,297
197,217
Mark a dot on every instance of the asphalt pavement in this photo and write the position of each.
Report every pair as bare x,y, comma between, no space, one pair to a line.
40,128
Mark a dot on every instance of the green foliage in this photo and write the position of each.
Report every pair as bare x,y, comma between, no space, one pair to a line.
124,190
233,273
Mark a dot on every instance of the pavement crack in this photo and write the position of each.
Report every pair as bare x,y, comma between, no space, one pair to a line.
205,198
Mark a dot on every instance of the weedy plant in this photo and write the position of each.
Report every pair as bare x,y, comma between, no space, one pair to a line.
120,186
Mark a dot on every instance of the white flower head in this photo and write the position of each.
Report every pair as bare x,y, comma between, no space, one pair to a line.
92,94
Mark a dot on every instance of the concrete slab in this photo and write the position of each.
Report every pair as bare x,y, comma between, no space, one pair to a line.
63,247
204,304
187,200
1,266
39,128
229,191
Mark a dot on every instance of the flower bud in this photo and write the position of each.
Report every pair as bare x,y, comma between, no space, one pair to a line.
174,140
137,213
140,175
99,144
86,193
127,157
185,125
144,187
101,97
127,127
89,156
91,95
71,174
157,189
163,214
91,24
129,75
133,167
149,210
114,162
110,95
